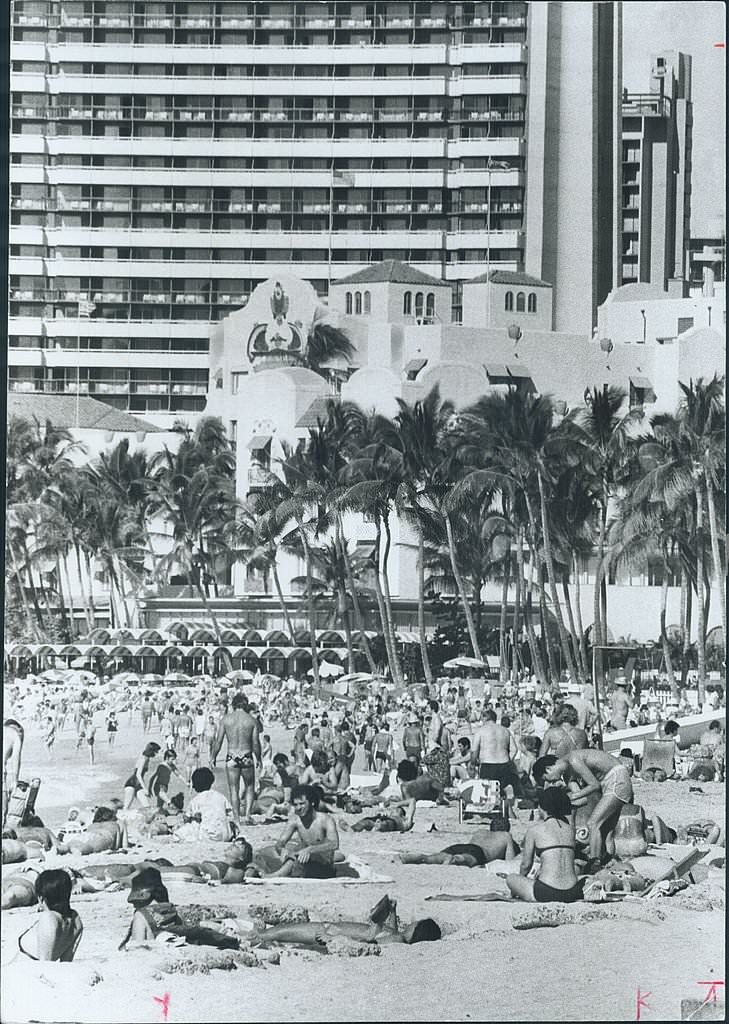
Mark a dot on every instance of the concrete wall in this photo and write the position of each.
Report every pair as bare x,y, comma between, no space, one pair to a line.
484,305
620,318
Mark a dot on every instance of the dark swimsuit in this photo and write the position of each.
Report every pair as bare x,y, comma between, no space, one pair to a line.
245,764
544,893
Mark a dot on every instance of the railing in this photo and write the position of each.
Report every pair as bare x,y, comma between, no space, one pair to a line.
647,105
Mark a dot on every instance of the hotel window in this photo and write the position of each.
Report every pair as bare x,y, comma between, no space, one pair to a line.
430,305
358,302
418,304
367,303
520,302
532,302
348,303
509,302
407,303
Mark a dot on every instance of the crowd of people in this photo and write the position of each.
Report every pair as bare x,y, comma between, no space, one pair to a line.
537,754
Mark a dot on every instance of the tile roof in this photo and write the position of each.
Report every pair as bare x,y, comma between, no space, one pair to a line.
509,277
391,270
69,412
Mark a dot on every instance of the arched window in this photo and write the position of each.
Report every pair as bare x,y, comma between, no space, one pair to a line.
358,302
509,301
532,302
407,303
418,304
520,302
348,303
430,305
367,303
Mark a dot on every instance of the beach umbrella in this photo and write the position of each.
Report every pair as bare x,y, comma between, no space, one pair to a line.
53,675
326,669
270,678
239,675
153,677
204,678
176,677
79,662
464,662
356,677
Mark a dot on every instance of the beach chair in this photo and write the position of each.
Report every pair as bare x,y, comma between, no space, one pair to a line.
658,763
479,798
21,804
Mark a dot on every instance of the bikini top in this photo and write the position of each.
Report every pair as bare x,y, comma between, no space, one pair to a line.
539,850
75,939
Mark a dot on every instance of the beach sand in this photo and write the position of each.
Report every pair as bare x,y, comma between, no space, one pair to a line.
482,969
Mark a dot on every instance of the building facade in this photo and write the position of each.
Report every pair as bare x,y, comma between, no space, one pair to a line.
169,156
657,141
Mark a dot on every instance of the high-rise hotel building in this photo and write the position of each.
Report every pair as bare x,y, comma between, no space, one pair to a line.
169,156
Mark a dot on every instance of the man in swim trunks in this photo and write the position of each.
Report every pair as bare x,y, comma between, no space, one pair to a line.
493,750
13,736
239,728
485,847
317,833
604,774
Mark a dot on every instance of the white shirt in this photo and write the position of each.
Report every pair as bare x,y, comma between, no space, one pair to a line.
540,726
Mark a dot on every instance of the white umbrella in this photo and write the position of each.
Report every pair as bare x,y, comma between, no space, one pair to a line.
327,669
239,673
54,675
464,662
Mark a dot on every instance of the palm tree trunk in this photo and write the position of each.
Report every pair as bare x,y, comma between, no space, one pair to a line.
281,600
687,603
517,600
664,636
537,663
715,555
573,629
356,607
90,595
421,607
84,601
61,598
578,609
700,614
33,591
503,667
32,626
399,679
597,632
311,608
546,639
461,588
564,641
391,655
64,565
119,572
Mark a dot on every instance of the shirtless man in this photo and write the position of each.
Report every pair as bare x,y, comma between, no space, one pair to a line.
413,740
317,833
413,787
239,728
620,704
13,736
493,750
564,736
604,774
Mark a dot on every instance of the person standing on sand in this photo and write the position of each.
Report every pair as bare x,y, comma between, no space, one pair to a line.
13,736
240,730
49,735
493,752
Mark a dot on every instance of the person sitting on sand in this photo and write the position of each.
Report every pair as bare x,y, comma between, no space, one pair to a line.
483,848
414,787
382,928
58,929
604,774
104,834
317,833
73,825
461,762
209,815
552,839
154,914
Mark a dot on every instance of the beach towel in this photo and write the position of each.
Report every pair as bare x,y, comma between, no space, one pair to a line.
353,870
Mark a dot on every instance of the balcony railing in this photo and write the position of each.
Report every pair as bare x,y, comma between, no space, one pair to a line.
647,105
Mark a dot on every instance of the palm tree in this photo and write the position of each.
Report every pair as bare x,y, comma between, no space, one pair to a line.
607,434
326,344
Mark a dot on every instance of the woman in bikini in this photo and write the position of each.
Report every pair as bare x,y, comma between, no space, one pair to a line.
135,787
58,930
564,735
552,839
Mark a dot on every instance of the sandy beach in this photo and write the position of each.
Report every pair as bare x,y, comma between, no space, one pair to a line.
483,969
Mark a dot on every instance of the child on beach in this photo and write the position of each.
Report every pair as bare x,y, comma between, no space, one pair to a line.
210,814
111,728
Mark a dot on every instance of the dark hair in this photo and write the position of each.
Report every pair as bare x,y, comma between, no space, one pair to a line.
505,721
568,714
239,701
178,801
54,887
171,755
151,749
407,771
315,732
489,714
280,759
626,752
245,853
670,728
540,766
464,740
434,705
103,814
310,793
319,761
715,726
202,779
555,802
499,824
425,931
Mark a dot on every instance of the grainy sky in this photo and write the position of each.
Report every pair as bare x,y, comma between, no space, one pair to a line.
692,26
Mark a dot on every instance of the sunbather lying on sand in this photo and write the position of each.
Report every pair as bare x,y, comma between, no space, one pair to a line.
483,848
104,834
230,871
18,889
381,928
14,851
